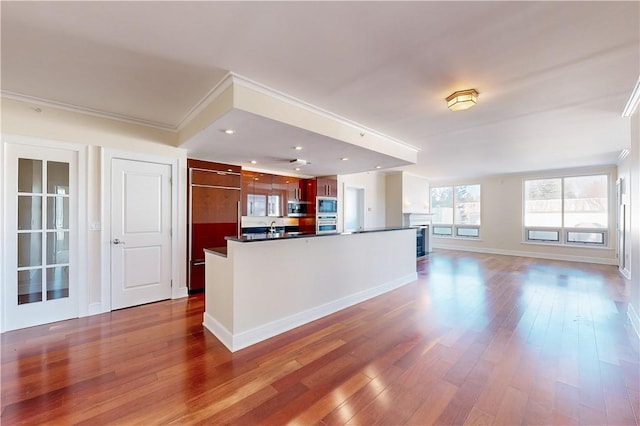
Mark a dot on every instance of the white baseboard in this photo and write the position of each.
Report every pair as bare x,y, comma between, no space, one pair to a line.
625,273
635,319
548,256
95,309
179,292
235,342
218,330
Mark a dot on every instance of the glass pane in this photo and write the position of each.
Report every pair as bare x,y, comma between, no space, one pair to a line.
57,282
585,237
273,205
442,230
442,204
467,202
468,232
543,202
29,175
257,205
29,249
586,202
57,247
57,212
57,178
29,286
543,235
29,212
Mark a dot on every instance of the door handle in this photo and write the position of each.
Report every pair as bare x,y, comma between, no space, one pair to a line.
117,241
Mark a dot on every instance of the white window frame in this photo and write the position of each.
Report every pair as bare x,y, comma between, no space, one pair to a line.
454,227
562,231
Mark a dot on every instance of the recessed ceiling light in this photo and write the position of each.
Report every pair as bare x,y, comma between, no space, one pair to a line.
344,159
378,167
254,162
229,131
297,148
297,169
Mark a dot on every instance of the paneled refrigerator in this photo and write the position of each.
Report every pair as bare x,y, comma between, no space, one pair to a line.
214,212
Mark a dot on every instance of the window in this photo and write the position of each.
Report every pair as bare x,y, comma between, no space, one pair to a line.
456,211
567,210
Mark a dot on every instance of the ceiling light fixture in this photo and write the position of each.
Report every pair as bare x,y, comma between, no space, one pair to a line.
462,99
297,169
297,148
254,162
344,159
229,131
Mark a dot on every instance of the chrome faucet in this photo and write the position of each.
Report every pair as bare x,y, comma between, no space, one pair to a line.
272,230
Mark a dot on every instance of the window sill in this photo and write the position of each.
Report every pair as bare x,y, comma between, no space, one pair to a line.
447,237
572,246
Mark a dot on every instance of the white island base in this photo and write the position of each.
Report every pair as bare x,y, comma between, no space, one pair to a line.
264,288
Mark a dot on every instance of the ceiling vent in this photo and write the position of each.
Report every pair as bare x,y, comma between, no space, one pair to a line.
299,162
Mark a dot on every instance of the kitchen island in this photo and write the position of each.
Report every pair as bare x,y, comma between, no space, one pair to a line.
266,285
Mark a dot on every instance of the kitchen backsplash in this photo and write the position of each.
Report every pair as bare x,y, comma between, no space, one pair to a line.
259,221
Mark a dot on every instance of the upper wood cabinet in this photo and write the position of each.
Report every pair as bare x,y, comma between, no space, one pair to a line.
327,186
254,193
264,194
293,188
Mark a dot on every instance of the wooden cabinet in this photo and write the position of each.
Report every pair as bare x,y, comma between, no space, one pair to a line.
248,191
263,194
214,196
277,199
327,186
294,193
300,190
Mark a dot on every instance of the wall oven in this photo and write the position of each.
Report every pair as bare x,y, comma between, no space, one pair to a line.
326,215
326,224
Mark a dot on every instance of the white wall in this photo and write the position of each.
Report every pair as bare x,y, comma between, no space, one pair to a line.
634,305
247,305
51,124
393,202
374,197
502,217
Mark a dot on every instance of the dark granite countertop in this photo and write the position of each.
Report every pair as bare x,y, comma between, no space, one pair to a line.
290,235
218,251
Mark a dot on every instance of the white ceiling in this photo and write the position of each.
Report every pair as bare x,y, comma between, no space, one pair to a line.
553,77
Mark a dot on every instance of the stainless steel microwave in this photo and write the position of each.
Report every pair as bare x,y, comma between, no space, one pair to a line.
296,209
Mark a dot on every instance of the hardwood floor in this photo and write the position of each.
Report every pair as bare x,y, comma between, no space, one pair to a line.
477,339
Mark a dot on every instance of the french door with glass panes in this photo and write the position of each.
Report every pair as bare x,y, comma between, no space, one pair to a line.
41,193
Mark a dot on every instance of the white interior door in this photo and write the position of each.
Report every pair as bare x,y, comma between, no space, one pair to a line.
41,276
140,232
353,209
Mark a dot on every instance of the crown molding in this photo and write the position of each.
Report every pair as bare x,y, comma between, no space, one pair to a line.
207,99
88,111
230,79
622,155
634,100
